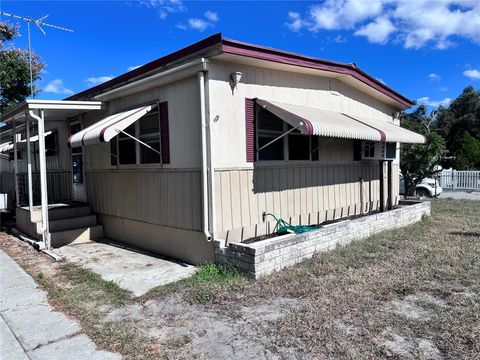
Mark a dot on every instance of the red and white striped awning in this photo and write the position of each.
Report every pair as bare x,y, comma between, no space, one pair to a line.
312,121
107,128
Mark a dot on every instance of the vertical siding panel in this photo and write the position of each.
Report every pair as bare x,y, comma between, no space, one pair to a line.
252,198
244,198
218,202
226,200
236,202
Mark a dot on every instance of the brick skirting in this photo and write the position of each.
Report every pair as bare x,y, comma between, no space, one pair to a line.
267,256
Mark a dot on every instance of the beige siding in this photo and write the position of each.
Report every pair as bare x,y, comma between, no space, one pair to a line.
292,88
306,194
156,196
184,124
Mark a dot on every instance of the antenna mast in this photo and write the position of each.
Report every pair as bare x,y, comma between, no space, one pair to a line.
39,23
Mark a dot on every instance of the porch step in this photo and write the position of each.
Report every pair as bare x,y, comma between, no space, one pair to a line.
81,235
70,223
61,212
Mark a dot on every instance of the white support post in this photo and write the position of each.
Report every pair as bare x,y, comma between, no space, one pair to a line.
29,166
43,176
15,163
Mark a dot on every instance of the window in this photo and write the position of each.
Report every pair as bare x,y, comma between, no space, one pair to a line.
294,146
147,130
149,133
51,144
126,147
369,150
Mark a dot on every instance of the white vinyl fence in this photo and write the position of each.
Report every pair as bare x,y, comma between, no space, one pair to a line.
460,180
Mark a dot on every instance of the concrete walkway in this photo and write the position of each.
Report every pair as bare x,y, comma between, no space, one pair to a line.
132,269
30,329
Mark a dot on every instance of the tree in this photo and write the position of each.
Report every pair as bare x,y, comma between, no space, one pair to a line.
15,70
467,154
461,117
418,161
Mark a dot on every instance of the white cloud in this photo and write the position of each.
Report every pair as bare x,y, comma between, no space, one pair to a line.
381,80
339,39
56,87
211,16
435,77
415,23
426,101
442,89
473,74
295,23
200,24
377,31
95,80
130,68
165,7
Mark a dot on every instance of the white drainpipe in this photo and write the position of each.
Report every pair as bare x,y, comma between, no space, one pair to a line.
43,175
205,182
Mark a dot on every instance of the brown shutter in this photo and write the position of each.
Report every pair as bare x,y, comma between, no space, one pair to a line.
250,129
113,152
164,133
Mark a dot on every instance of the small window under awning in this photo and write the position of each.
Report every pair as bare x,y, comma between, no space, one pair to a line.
107,128
312,121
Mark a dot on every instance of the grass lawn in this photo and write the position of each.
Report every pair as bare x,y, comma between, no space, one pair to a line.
409,293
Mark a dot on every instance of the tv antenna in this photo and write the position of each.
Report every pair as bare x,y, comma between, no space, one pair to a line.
39,23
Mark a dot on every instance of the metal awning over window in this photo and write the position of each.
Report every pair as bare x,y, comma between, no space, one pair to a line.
6,147
106,129
312,121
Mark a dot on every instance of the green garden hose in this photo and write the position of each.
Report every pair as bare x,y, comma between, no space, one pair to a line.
282,227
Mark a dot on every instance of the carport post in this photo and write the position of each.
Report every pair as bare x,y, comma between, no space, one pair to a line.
43,175
15,162
29,167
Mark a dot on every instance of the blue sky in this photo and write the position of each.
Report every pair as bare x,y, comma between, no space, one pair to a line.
428,51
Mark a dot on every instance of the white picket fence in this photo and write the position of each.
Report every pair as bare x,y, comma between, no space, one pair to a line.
460,180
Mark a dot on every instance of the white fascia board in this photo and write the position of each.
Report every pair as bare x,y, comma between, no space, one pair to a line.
173,74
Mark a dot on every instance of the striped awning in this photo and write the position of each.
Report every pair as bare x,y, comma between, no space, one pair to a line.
6,147
107,128
312,121
21,144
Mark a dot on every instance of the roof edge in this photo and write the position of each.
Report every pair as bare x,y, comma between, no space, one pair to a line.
248,50
271,54
181,54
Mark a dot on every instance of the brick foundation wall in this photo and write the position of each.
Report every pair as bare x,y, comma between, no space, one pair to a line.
267,256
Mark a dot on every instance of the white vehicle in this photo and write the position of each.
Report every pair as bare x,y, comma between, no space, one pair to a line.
428,187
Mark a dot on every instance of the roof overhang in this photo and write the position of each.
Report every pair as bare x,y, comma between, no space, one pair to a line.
219,47
54,110
349,73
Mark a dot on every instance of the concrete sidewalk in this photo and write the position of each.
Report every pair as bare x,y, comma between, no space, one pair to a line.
30,329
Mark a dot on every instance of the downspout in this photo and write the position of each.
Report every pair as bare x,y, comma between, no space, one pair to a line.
205,182
210,155
43,175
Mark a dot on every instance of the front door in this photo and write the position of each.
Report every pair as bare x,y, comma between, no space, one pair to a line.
78,172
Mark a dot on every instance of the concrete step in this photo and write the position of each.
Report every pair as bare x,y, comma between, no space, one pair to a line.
64,212
82,235
70,223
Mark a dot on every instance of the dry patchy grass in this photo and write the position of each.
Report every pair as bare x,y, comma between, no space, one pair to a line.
409,293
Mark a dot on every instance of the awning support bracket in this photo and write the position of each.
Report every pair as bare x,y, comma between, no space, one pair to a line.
139,141
279,137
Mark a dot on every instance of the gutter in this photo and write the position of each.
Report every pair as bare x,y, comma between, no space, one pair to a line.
172,74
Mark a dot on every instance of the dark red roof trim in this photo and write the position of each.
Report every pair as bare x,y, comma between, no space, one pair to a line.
163,61
285,57
249,50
